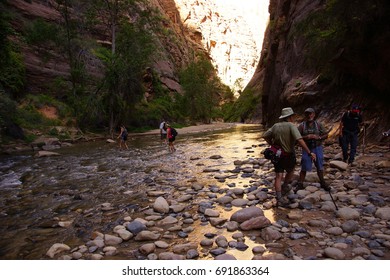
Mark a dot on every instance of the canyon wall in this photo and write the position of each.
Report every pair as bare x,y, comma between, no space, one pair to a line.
326,55
230,34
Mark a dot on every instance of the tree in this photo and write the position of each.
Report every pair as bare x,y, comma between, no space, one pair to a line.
201,89
131,47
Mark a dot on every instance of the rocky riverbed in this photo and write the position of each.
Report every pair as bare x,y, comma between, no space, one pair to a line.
211,199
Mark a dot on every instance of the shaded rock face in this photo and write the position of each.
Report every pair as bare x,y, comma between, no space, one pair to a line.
327,71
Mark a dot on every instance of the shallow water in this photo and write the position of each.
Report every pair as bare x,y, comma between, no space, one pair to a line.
37,193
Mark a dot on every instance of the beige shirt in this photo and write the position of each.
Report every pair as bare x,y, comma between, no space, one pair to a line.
283,134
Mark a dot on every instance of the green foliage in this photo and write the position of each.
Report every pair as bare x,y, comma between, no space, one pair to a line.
13,73
7,109
150,114
42,33
242,108
27,115
12,69
201,90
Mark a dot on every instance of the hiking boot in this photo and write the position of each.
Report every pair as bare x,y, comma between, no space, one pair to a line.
325,186
286,188
283,202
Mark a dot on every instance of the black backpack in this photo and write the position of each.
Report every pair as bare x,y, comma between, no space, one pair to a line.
173,132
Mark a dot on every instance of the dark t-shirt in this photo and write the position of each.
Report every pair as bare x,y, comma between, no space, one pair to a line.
351,122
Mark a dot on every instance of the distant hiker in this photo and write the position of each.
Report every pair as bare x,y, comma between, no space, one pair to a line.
349,132
171,137
313,133
123,137
386,133
283,136
163,132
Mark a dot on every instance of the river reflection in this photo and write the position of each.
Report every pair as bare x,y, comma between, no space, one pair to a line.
39,197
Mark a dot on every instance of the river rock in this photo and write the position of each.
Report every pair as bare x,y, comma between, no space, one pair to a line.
258,249
295,215
334,231
350,226
206,242
224,199
225,257
169,220
112,240
239,202
124,234
217,221
176,208
247,213
334,253
110,251
183,248
146,235
170,256
46,154
192,254
56,249
211,213
271,256
383,213
232,225
339,164
147,249
161,244
161,205
135,227
361,251
270,234
255,223
347,213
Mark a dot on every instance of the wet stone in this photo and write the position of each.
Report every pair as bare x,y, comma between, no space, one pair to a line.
218,251
182,234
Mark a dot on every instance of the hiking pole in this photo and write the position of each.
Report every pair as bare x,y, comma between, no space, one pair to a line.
364,139
330,194
333,199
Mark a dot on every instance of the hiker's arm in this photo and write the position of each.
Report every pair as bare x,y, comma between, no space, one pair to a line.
302,143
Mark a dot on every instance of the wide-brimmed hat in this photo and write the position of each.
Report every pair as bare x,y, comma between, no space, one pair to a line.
310,110
286,112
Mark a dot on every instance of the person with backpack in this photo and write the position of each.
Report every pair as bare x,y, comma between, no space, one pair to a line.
163,131
123,136
171,137
313,133
284,135
349,132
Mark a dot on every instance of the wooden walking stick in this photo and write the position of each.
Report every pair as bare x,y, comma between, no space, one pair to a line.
364,139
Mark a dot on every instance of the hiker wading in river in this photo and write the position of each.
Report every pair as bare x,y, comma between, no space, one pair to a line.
284,135
313,133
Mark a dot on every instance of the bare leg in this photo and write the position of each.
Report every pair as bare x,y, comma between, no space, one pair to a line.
288,178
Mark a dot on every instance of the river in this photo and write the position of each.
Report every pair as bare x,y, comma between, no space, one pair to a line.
92,186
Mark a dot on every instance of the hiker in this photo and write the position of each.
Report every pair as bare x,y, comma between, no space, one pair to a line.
386,133
163,132
284,135
171,137
123,136
313,133
348,132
